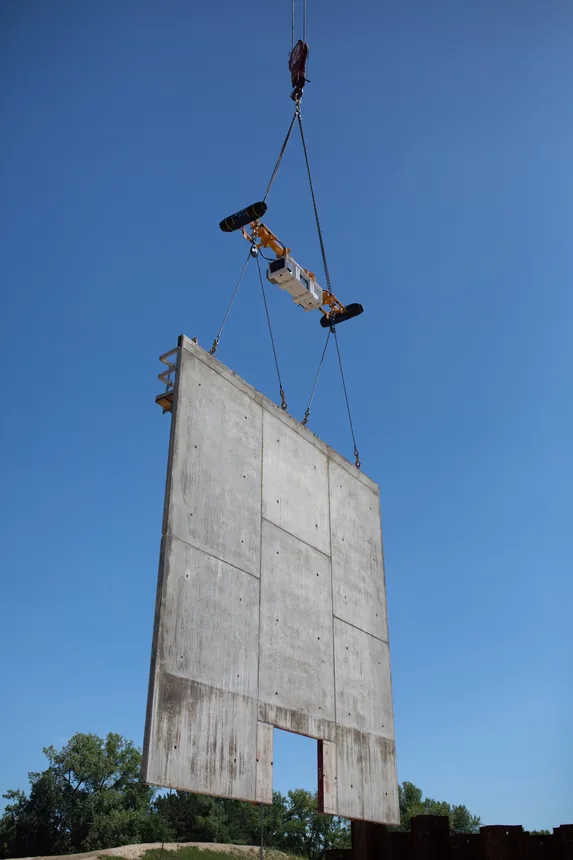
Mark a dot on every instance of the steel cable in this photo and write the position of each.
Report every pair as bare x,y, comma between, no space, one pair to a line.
307,413
213,349
284,404
280,158
356,454
318,227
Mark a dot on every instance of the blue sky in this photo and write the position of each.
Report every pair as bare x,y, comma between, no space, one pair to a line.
440,137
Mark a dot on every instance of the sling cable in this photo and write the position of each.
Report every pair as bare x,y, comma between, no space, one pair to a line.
283,270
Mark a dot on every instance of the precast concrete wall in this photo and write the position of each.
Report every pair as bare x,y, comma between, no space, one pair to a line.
271,605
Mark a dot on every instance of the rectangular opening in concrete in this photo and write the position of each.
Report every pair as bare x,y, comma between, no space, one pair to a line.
295,762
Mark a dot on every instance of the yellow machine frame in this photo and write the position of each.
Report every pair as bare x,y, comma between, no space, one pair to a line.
261,237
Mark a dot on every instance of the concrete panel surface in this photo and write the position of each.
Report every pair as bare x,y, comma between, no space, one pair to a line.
201,739
367,778
357,563
295,484
224,654
363,684
296,645
215,497
349,764
265,745
271,608
327,784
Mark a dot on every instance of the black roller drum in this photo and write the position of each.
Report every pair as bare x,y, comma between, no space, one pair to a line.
243,217
351,310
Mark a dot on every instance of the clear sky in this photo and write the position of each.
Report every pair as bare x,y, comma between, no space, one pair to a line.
441,139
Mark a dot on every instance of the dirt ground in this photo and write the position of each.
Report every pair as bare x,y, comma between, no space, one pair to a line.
134,852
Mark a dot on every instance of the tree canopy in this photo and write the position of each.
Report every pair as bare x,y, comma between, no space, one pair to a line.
90,797
412,803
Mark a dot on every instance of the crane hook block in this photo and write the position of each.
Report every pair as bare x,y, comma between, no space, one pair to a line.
297,69
334,317
243,217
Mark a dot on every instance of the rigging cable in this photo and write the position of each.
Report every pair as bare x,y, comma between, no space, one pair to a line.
356,454
213,349
304,421
319,230
280,158
284,405
303,22
328,285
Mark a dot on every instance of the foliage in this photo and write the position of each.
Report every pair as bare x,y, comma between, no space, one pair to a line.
90,797
412,803
308,833
290,824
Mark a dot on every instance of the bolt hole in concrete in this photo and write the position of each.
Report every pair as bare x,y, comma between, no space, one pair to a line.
295,760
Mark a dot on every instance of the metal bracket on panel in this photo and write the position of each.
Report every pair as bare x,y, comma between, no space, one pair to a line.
165,400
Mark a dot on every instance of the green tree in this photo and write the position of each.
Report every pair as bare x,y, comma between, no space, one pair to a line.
193,817
309,833
88,797
413,803
198,818
290,823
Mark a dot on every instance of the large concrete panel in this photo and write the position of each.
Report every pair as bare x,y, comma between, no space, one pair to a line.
271,606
